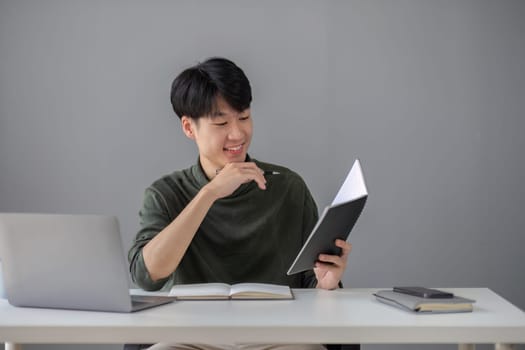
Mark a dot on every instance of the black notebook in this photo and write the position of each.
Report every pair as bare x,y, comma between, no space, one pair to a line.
336,221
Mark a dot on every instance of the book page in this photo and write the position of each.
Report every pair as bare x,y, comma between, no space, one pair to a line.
260,290
200,290
353,187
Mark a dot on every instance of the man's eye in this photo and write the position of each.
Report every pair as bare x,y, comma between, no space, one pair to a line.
244,118
220,124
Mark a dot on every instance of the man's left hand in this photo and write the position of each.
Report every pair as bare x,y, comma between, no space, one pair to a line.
329,269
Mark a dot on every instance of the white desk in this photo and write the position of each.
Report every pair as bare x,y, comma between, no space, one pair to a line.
315,316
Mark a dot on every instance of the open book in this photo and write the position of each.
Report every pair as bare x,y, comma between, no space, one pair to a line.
204,291
336,221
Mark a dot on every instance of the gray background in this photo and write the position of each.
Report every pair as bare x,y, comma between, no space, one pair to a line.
428,94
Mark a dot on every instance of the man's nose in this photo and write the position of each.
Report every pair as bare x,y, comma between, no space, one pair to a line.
236,131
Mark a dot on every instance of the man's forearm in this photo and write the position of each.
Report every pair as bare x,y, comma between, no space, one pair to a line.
164,252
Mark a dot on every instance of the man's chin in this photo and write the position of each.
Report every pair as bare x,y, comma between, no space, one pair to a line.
236,158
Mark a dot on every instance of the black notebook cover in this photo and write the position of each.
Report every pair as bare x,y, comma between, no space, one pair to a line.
336,222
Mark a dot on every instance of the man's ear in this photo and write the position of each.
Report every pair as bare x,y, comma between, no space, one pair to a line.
188,126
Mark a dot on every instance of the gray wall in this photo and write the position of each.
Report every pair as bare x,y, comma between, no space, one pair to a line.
428,94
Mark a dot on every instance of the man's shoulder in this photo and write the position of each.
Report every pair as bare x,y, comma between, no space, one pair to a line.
172,182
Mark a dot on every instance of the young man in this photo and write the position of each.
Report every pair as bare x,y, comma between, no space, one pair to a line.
223,219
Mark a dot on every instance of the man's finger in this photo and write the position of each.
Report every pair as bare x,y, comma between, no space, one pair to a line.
332,259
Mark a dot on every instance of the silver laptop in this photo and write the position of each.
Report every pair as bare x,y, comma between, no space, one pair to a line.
67,262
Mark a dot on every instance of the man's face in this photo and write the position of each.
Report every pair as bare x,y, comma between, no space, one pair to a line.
222,138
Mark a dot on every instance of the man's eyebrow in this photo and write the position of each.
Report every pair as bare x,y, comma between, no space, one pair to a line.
218,114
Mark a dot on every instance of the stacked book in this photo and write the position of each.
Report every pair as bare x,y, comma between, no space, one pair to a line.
425,305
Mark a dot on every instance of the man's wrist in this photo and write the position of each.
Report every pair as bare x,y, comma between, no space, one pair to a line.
208,194
339,285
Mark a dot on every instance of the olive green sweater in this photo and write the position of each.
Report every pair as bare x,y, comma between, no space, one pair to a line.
251,236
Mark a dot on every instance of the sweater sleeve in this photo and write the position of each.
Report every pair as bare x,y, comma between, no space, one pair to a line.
154,217
310,217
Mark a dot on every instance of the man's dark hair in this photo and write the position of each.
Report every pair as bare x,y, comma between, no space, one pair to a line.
194,92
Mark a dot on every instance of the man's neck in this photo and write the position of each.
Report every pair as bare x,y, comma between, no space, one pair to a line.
209,169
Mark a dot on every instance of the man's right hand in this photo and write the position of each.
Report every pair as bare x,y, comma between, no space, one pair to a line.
233,175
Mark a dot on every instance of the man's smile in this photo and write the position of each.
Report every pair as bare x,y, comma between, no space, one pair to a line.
234,149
